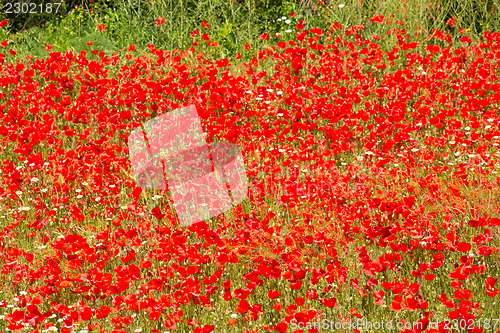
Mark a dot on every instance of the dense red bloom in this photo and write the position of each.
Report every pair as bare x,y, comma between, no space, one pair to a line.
367,173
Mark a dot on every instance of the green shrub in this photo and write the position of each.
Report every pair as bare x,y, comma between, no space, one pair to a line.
233,23
27,14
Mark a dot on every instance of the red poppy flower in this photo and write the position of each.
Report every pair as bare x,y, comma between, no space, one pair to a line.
101,27
377,19
273,294
160,21
465,39
243,306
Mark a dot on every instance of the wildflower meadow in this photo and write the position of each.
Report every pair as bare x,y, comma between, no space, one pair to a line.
348,151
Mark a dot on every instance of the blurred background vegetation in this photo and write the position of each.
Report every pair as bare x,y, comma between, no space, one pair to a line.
113,25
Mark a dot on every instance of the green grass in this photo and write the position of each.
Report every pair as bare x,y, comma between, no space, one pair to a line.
235,23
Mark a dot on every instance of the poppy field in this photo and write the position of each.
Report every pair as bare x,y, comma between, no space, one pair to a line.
373,187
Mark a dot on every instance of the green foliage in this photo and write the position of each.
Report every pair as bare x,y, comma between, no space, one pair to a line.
71,33
479,15
233,23
27,14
